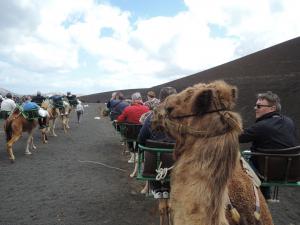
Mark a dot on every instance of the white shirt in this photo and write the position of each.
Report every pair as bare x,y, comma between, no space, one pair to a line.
8,105
79,107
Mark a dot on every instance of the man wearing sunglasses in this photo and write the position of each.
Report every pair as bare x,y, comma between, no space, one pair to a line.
271,130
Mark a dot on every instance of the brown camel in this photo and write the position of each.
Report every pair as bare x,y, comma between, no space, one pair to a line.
14,126
208,184
53,114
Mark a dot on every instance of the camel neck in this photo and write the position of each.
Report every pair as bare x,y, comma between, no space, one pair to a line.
204,168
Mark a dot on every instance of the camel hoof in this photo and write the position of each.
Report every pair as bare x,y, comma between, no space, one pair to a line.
28,153
12,161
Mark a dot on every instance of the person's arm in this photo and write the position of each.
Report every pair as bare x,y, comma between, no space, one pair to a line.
145,132
249,134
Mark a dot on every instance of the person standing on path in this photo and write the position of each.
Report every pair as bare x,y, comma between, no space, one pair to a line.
79,111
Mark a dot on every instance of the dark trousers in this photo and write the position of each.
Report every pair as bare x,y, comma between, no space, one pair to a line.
131,146
42,122
79,113
266,191
159,186
4,115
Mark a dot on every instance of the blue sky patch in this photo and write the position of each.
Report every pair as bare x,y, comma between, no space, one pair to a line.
106,32
216,30
73,18
150,8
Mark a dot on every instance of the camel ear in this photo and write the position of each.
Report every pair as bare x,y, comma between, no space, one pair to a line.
203,102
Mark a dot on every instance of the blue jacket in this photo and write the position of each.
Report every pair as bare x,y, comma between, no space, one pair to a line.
271,131
146,132
28,106
116,108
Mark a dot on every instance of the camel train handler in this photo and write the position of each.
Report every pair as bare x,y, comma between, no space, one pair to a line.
271,130
79,110
159,189
7,106
38,99
132,114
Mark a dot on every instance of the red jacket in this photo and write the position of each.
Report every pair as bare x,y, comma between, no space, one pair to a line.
133,113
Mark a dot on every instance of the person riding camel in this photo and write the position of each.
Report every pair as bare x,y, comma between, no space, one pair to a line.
38,99
7,106
31,105
72,99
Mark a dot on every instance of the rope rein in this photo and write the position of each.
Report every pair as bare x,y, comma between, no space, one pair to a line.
162,172
184,129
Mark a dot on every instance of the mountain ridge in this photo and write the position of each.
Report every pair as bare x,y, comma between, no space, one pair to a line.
276,69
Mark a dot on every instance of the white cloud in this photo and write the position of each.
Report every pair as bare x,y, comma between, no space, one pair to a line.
49,41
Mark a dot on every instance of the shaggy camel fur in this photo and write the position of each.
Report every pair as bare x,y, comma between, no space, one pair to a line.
207,175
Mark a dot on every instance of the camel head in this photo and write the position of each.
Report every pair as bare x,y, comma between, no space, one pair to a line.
204,110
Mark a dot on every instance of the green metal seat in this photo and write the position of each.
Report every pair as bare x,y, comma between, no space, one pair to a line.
277,167
152,156
129,131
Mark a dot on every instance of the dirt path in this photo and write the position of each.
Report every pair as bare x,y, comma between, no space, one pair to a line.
68,181
56,186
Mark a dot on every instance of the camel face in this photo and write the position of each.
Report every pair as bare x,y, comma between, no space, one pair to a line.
191,107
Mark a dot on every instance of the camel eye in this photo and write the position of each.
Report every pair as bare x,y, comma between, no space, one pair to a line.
169,109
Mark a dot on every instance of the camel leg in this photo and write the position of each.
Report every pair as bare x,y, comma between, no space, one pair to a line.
32,146
44,136
163,211
9,146
64,122
169,212
67,122
53,128
29,144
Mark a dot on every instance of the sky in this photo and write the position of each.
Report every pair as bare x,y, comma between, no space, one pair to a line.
93,46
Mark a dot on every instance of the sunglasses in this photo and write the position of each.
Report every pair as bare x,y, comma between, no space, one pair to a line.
260,106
